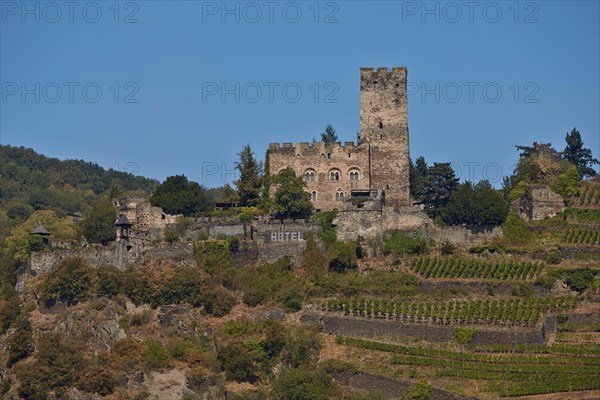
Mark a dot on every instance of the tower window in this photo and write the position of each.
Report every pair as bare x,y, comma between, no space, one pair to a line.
339,195
354,175
375,82
329,156
380,125
313,196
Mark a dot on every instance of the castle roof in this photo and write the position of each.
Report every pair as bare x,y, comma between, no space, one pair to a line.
39,230
123,221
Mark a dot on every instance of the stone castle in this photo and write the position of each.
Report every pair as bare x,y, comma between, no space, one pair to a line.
378,162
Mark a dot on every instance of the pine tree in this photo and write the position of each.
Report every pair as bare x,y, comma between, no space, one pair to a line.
419,176
329,136
579,156
250,183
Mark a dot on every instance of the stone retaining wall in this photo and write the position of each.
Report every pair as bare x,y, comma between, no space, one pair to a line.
373,329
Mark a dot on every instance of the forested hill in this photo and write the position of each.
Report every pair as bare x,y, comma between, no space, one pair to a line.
30,181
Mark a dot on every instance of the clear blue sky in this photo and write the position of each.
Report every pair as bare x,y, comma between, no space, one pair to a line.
169,78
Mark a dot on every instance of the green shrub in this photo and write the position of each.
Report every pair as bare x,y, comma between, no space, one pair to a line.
328,234
217,301
237,363
553,257
170,235
98,379
36,242
109,282
293,299
140,318
305,383
418,391
400,244
20,343
514,229
464,335
447,248
155,355
343,256
213,255
71,282
580,279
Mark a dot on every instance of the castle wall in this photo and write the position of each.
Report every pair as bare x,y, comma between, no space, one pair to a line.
371,226
323,159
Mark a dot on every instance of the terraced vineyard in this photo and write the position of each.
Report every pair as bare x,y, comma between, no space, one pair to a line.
581,236
504,312
589,196
460,268
513,374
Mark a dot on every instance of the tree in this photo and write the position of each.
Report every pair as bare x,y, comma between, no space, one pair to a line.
567,184
265,201
475,205
441,183
177,195
115,190
290,200
419,176
71,282
98,225
20,343
237,363
329,136
579,156
250,182
528,151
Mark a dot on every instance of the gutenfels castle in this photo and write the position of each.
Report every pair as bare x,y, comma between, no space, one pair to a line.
378,162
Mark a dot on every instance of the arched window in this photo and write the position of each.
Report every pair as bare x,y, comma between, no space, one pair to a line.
339,195
313,196
309,175
354,175
334,175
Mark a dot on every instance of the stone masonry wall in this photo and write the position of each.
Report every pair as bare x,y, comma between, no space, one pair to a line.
384,128
323,159
372,225
374,328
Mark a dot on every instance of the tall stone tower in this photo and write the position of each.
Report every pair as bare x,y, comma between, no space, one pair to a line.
384,129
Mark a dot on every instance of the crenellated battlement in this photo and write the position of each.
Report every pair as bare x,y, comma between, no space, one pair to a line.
382,72
302,147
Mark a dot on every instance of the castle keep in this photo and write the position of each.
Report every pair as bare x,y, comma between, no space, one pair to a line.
379,161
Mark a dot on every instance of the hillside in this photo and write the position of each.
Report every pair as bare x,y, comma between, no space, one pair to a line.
32,181
206,307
